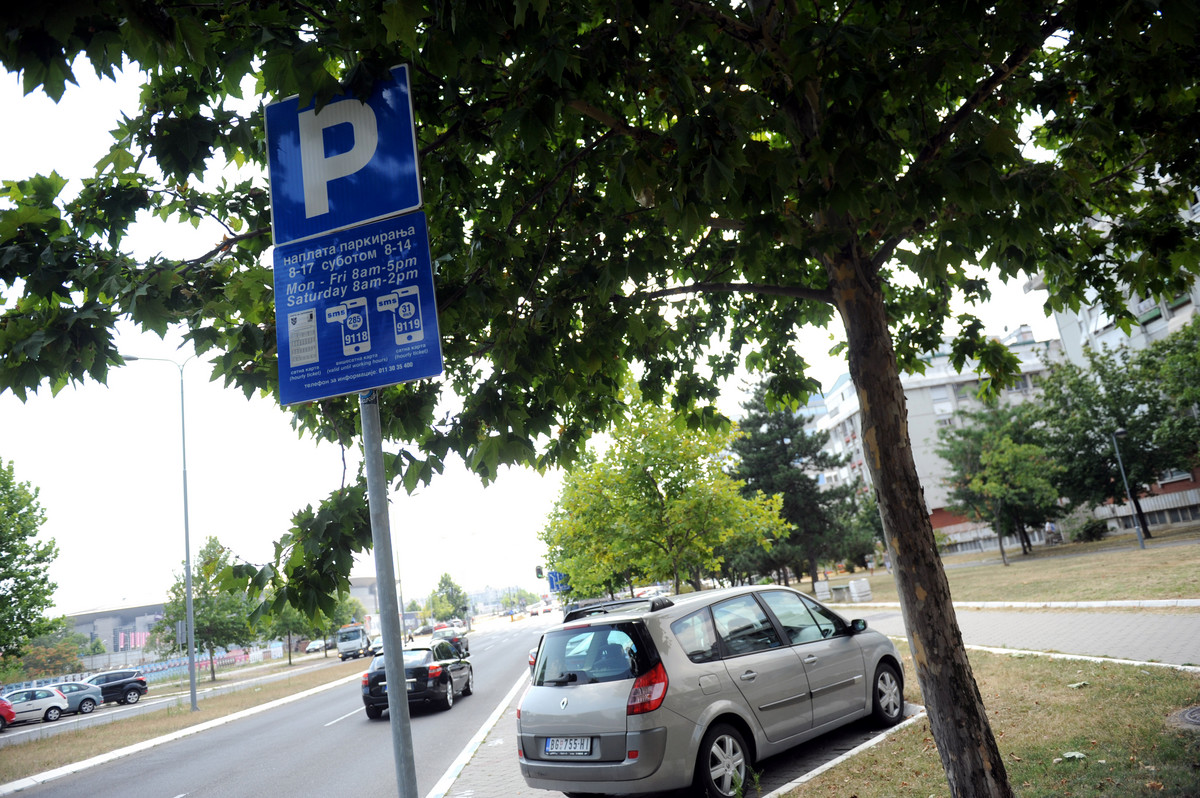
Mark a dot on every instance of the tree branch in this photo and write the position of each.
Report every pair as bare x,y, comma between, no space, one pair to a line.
796,292
612,122
225,245
982,92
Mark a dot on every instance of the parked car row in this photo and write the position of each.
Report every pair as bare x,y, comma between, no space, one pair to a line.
51,702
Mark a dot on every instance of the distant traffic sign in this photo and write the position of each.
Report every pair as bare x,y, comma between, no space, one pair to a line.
349,163
355,310
558,581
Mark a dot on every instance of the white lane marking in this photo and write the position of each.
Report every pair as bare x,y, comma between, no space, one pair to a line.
342,718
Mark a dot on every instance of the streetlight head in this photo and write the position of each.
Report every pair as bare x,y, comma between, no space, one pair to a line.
130,357
1119,432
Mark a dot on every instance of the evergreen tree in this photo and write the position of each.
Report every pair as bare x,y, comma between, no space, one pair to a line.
777,457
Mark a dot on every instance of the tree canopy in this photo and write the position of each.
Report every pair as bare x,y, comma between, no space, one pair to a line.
998,472
656,507
1084,409
26,591
625,183
221,615
449,600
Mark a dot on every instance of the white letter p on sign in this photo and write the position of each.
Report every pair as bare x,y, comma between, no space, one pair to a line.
318,169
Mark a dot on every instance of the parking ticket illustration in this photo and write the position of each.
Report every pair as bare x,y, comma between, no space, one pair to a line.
356,332
405,306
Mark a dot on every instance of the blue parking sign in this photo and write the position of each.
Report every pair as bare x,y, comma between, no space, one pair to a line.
350,163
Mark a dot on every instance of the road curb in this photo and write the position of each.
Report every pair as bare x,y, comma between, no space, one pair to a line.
1036,605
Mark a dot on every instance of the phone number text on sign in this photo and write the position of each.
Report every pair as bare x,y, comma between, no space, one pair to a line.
355,310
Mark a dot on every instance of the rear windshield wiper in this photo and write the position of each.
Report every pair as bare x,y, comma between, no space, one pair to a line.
562,678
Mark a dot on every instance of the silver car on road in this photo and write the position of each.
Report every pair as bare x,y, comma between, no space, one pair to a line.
695,689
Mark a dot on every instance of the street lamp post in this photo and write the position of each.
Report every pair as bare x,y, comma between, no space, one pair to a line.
1137,522
187,542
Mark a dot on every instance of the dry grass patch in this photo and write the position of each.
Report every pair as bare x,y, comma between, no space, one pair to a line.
1064,729
1104,575
37,756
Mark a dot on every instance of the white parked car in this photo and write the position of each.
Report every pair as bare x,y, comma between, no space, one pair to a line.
37,703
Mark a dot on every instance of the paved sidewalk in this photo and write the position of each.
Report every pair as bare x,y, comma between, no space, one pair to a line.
1145,637
492,771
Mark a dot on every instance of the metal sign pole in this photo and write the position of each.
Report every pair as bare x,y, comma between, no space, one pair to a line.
389,609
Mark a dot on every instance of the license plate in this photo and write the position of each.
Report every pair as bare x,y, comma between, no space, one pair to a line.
568,746
411,685
383,686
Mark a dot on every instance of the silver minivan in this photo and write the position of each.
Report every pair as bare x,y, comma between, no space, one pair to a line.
695,689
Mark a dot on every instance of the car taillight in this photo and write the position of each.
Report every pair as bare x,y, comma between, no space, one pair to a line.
648,691
366,680
435,671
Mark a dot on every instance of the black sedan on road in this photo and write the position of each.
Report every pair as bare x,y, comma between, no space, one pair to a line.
436,673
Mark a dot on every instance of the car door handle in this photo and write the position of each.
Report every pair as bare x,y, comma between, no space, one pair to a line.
810,659
749,676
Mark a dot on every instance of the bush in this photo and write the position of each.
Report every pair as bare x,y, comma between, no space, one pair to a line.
1093,530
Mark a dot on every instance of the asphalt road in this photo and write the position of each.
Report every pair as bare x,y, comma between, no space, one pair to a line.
325,745
321,745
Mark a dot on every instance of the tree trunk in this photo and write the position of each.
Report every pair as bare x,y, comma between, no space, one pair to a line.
957,718
1023,535
1140,517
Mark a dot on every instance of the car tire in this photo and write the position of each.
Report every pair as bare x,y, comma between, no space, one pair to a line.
721,764
374,713
470,687
86,706
52,714
3,724
132,696
887,696
448,699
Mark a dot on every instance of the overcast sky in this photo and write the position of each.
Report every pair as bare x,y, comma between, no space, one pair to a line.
107,462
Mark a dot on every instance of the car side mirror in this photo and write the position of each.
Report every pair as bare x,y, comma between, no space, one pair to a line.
858,625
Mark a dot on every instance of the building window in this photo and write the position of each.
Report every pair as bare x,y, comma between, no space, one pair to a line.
1173,475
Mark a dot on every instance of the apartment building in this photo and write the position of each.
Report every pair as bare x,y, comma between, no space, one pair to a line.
935,400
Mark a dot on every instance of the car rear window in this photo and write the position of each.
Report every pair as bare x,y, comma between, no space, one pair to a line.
416,656
590,654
